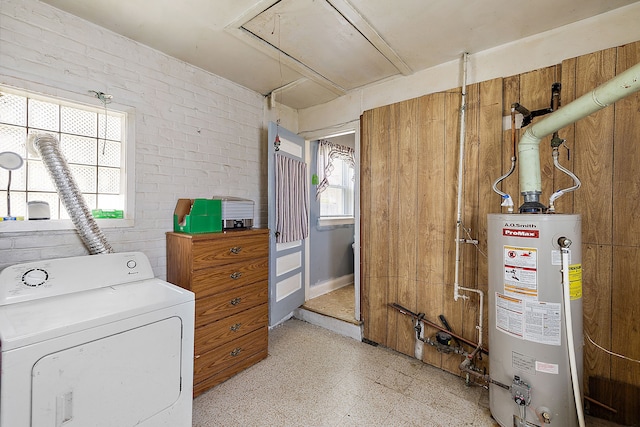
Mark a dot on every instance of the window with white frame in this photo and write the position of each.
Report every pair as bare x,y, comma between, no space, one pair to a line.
92,140
336,170
337,199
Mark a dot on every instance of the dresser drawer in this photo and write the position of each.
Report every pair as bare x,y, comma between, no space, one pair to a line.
229,354
212,281
230,328
231,302
228,250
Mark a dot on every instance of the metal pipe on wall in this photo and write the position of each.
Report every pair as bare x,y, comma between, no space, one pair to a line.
623,85
456,281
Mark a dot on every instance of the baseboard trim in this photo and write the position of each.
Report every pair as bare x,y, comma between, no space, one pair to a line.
329,285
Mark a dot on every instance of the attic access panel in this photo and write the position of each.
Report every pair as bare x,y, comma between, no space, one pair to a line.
316,35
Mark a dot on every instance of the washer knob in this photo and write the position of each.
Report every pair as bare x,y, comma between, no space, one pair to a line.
35,277
131,264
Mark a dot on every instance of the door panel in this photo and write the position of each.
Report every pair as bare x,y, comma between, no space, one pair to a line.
287,268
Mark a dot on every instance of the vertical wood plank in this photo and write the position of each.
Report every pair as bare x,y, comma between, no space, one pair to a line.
565,204
379,219
594,153
451,309
511,184
366,122
625,338
596,306
626,192
490,132
431,214
393,224
408,229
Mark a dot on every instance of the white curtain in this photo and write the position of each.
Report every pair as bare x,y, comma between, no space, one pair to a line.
292,209
327,152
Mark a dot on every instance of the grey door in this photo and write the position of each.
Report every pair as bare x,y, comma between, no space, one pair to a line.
287,272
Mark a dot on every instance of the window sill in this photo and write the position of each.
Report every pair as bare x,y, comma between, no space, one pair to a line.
57,225
337,220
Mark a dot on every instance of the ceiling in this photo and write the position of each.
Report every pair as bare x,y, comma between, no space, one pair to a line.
308,52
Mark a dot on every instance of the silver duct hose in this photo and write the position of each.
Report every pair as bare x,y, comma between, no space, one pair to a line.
48,147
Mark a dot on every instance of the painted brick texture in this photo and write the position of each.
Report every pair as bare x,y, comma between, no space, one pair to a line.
196,134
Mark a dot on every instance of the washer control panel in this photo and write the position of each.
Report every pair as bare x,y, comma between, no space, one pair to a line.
49,278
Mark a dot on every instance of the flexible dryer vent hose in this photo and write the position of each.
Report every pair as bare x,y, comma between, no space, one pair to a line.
48,147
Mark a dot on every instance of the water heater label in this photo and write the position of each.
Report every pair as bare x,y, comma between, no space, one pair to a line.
542,322
521,272
533,321
575,281
509,315
512,232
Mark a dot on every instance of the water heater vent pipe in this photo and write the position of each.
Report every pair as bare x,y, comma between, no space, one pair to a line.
621,86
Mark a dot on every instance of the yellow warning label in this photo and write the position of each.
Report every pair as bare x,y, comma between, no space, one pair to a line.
575,281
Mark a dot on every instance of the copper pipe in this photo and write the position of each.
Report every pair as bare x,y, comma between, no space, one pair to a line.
408,312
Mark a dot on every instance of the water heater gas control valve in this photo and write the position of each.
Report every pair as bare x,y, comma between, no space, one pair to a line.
520,391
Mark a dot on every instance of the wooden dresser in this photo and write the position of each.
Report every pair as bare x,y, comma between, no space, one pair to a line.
229,273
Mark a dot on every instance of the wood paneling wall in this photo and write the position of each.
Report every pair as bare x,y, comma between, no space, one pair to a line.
409,167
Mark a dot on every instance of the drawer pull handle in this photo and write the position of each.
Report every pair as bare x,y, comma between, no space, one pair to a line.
236,249
236,275
197,356
236,301
236,327
235,352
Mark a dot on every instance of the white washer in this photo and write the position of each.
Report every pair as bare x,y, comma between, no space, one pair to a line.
94,341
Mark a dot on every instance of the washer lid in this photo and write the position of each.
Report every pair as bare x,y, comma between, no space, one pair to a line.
39,320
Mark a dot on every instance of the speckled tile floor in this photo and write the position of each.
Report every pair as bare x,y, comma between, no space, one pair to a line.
314,377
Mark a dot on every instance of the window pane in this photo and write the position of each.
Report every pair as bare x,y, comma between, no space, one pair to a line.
114,127
38,177
78,149
109,153
331,202
78,122
109,180
44,115
85,177
13,109
13,138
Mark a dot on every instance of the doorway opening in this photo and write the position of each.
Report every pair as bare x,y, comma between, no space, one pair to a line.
334,279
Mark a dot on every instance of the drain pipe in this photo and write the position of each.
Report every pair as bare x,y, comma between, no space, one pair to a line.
48,148
624,84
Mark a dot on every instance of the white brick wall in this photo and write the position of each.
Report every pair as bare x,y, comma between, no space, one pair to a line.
196,134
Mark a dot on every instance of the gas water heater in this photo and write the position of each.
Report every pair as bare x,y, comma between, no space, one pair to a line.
535,279
527,320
